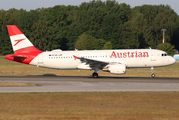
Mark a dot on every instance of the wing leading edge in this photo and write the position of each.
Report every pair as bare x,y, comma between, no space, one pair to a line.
92,63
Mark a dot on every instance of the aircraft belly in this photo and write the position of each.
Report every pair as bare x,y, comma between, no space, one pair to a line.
60,64
140,62
55,63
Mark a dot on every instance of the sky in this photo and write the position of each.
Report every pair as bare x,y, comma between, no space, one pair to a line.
34,4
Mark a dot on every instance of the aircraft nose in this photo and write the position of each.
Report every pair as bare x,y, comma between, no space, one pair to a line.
173,60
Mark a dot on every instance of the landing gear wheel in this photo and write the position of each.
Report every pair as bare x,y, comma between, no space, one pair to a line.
95,75
152,70
153,75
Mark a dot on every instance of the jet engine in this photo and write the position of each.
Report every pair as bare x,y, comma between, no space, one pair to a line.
116,69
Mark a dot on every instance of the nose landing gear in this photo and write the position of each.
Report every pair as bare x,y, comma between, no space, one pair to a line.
152,70
153,75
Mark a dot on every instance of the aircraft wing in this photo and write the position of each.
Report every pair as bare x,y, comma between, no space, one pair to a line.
93,62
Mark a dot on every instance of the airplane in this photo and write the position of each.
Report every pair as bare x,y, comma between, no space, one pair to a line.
113,61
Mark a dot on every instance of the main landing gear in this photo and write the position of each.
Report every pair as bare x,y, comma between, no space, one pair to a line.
95,75
152,70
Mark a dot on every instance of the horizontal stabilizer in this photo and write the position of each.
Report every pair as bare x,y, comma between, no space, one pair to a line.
17,56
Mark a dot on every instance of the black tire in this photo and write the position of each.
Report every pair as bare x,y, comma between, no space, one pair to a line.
153,75
95,75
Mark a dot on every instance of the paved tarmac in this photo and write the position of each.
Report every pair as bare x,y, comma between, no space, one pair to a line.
89,84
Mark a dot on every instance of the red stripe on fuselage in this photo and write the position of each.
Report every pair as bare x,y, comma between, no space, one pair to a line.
27,55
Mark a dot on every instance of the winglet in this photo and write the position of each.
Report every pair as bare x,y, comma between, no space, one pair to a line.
75,57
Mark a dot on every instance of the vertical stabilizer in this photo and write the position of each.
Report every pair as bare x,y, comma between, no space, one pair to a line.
20,43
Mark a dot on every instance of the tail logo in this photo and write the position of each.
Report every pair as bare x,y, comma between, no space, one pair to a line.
18,41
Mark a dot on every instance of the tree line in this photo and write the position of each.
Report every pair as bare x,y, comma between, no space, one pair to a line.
92,25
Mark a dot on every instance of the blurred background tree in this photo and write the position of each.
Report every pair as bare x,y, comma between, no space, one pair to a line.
167,47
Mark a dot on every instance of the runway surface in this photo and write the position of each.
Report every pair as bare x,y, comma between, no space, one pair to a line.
89,84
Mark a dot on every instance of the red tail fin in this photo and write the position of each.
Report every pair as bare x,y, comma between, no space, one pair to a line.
20,43
24,50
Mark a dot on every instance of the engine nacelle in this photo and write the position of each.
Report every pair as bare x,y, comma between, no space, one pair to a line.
116,69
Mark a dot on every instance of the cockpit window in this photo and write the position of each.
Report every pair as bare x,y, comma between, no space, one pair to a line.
165,54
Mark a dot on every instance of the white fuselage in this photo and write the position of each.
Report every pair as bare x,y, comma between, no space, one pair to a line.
130,57
113,61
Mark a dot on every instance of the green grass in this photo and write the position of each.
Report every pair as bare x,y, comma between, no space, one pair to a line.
90,106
